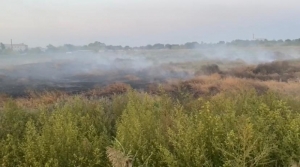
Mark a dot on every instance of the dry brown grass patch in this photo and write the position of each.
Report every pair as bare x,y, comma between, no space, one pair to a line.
116,88
118,158
35,99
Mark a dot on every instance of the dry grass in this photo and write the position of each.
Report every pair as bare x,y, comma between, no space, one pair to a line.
35,99
203,85
289,88
213,84
117,158
295,164
116,88
3,99
277,70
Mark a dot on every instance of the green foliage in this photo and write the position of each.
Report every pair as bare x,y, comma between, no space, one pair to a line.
73,134
239,129
13,120
138,128
229,129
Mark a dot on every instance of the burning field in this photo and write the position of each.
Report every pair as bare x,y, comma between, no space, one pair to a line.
142,70
76,75
162,108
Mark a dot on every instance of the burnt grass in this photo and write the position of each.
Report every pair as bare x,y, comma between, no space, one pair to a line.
19,80
14,88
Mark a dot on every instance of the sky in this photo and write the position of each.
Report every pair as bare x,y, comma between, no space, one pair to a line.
142,22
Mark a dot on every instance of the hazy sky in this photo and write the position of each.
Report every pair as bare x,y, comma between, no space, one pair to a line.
141,22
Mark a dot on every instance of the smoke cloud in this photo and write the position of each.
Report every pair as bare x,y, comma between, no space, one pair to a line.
79,71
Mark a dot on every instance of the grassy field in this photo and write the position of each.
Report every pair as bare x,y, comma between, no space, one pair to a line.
224,114
237,126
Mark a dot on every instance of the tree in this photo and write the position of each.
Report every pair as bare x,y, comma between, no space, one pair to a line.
127,48
158,46
168,46
96,46
191,45
51,48
175,46
288,40
148,47
221,43
70,47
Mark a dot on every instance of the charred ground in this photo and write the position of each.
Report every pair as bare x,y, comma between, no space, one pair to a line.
145,70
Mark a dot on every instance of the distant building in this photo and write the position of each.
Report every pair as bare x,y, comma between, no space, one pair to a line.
16,47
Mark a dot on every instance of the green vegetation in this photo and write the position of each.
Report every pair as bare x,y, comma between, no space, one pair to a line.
240,128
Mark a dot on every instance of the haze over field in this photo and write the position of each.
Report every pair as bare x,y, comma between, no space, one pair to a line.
163,31
126,83
139,22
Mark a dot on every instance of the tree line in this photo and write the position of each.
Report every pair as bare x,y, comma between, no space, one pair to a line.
99,46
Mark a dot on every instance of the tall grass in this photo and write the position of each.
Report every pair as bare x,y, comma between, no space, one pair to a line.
232,128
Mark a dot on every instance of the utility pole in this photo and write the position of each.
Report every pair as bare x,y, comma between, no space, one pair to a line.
11,46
